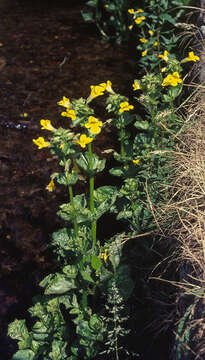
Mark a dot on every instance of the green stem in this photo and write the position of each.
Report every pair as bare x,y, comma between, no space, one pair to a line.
92,209
122,147
74,212
122,136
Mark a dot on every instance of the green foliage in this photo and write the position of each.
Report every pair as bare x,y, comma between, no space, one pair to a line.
110,17
69,314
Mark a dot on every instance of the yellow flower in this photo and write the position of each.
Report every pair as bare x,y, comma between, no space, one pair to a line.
40,142
108,87
65,102
139,11
151,32
144,53
136,85
84,140
124,106
143,40
156,43
130,27
191,57
172,79
163,69
131,11
164,56
46,125
94,125
69,113
25,114
104,255
50,187
97,90
140,19
135,162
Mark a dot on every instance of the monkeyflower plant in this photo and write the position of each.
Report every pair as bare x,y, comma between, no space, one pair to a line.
68,314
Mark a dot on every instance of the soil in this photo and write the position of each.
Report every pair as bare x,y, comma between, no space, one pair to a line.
47,51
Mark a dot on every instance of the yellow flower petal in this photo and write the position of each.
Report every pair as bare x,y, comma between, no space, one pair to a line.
65,102
104,255
172,79
94,125
46,125
131,11
164,56
40,142
69,113
109,87
136,85
84,140
191,57
97,90
139,19
124,106
135,162
144,53
143,40
50,187
151,32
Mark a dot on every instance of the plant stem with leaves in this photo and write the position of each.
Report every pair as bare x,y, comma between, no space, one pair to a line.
92,209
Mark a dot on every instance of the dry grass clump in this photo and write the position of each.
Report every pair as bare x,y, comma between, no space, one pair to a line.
183,221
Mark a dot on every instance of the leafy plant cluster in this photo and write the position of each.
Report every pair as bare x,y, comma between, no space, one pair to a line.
113,22
80,313
70,312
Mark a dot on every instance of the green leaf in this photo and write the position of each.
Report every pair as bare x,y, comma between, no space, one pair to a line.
24,355
167,17
65,300
46,280
17,329
63,238
39,327
60,284
75,311
40,332
71,271
117,171
96,262
67,212
142,125
104,197
97,164
95,323
58,350
87,15
92,3
86,276
104,193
